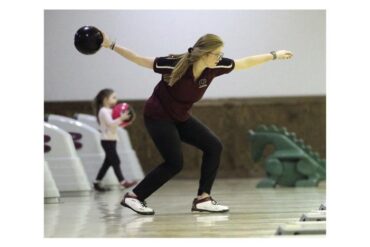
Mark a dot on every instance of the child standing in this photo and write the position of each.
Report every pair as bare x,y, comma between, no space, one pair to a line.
104,101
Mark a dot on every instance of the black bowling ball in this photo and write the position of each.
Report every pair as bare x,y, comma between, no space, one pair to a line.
88,40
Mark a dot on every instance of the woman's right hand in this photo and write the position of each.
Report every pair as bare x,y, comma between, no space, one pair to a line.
106,41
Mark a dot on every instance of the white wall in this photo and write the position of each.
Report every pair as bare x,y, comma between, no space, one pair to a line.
70,75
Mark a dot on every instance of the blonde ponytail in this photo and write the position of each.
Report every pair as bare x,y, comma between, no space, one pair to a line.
205,45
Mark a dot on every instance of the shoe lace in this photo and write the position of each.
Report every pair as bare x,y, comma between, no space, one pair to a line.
143,203
214,202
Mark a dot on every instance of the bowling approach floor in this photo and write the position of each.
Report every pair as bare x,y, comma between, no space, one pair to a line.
253,212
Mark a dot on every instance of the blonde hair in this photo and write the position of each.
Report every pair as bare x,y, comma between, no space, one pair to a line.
205,45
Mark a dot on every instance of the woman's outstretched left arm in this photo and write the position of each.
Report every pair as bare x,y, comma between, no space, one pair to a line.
247,62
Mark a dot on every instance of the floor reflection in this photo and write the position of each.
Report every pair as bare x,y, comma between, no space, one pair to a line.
253,213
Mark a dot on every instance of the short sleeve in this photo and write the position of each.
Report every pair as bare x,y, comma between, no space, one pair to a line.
164,65
226,65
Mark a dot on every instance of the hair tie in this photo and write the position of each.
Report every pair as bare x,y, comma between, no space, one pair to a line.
190,49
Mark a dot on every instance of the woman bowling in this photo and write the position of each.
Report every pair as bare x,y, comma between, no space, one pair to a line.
167,115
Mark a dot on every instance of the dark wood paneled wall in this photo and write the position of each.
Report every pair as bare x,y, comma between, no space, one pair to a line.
230,119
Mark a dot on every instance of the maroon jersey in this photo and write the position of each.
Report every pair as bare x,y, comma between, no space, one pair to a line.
174,103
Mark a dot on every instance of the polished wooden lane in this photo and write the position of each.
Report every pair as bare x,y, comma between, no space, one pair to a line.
253,212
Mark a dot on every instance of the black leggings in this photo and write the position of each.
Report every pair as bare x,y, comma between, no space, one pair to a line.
167,137
111,159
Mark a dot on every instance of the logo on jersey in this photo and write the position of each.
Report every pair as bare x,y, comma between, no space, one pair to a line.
202,83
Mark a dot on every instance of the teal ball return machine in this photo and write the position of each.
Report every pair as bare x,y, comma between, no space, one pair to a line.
291,164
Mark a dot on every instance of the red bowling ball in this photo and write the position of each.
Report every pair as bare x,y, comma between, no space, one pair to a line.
120,109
